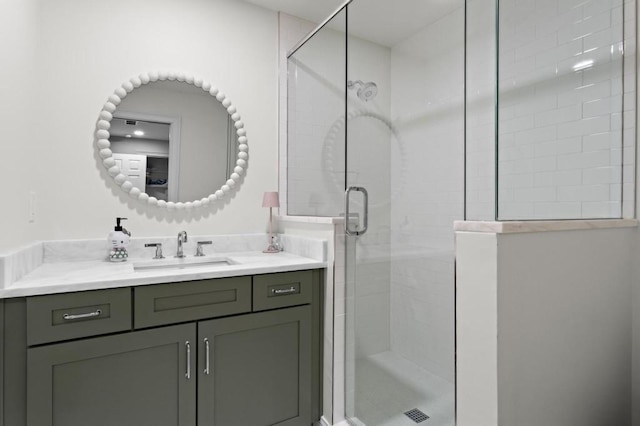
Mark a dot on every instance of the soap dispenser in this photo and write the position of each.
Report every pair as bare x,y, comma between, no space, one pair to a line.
118,241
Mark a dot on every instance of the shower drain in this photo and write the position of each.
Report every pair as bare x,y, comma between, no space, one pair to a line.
416,415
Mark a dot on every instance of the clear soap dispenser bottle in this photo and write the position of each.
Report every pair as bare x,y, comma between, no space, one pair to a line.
118,242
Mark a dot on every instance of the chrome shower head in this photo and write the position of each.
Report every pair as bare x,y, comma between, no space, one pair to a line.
366,91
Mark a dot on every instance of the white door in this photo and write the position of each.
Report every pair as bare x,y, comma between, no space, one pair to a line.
134,167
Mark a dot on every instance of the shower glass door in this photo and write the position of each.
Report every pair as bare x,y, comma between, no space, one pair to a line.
404,179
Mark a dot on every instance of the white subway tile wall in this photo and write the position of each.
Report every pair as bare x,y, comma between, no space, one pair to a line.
291,30
315,121
561,103
427,109
480,110
316,162
370,142
406,147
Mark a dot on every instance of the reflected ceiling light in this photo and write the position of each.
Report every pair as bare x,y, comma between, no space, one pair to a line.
138,133
127,136
583,65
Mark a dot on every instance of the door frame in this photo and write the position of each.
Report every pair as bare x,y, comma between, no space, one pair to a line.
174,145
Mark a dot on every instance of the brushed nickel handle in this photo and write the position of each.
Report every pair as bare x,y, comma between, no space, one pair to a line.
207,357
71,317
158,247
199,249
289,290
365,216
188,373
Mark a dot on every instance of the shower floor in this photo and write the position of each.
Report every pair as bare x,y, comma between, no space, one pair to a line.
388,385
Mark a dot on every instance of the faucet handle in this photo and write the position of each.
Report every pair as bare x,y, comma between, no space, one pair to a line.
158,247
199,249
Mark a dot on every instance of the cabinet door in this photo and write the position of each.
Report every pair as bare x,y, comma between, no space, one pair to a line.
132,379
258,371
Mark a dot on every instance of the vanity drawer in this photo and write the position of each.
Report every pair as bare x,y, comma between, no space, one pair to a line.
271,291
57,317
189,301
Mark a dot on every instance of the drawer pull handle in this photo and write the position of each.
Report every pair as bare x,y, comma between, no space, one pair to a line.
70,317
289,290
207,358
188,373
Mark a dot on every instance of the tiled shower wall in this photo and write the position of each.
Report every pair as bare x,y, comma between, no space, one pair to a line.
315,122
370,141
316,161
406,147
480,129
561,119
427,106
290,31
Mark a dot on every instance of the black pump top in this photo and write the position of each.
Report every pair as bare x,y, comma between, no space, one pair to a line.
118,227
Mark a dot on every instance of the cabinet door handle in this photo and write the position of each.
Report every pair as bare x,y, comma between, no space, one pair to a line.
188,373
291,289
207,358
71,317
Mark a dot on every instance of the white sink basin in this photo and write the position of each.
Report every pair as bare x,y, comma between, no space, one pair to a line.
182,263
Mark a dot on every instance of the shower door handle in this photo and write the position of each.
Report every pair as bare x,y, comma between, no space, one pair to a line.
365,217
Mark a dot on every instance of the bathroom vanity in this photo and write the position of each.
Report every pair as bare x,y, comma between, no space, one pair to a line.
242,349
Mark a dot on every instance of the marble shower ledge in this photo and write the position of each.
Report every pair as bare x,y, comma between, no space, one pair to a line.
519,227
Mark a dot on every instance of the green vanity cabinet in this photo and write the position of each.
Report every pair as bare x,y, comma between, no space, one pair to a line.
161,304
256,369
242,351
138,379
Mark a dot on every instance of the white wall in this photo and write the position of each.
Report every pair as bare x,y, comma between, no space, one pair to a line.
564,335
563,330
84,50
18,84
476,329
139,146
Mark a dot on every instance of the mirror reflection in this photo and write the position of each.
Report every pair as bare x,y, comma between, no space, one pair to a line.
173,141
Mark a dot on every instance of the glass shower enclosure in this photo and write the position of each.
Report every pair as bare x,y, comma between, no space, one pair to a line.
376,134
405,116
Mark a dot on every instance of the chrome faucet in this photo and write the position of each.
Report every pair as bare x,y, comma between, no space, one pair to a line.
182,238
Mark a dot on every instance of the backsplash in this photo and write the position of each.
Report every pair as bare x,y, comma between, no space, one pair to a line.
16,265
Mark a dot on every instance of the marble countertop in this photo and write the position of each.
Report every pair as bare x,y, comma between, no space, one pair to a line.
62,277
61,266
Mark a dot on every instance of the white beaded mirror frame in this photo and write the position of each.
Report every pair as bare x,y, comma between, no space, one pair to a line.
104,151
